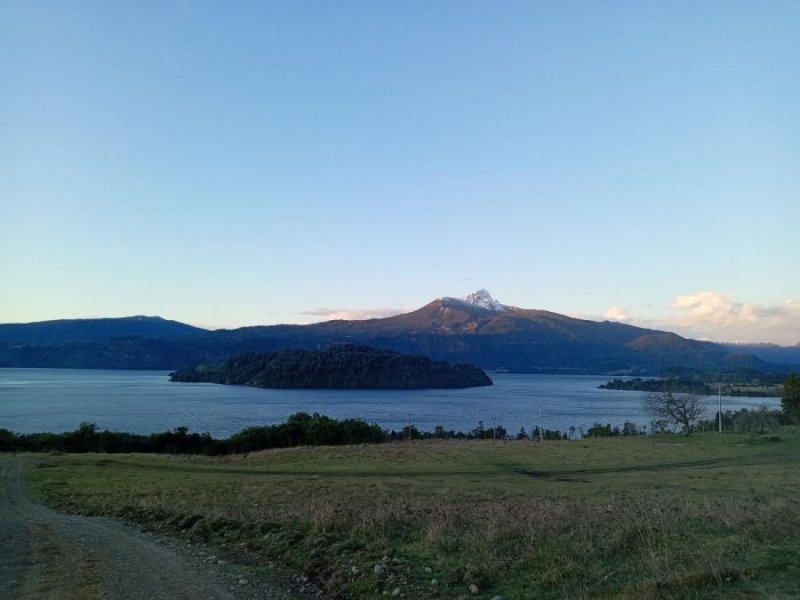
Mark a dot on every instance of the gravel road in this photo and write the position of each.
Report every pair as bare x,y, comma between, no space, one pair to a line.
46,555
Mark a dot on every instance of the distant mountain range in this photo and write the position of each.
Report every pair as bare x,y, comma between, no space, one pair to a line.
477,330
768,352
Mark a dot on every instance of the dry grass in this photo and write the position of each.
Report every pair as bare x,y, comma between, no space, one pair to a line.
672,517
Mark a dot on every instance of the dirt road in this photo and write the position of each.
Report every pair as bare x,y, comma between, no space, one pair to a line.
45,555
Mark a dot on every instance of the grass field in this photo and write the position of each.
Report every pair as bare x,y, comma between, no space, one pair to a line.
704,516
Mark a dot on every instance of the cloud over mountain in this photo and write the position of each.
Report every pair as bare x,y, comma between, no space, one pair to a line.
722,316
352,314
616,313
719,316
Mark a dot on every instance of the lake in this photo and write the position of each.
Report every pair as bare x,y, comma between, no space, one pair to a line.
57,400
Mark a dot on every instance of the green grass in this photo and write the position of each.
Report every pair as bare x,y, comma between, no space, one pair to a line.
704,516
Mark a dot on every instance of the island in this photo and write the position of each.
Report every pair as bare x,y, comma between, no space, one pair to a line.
343,366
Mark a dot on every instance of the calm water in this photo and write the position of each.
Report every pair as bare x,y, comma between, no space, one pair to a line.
146,402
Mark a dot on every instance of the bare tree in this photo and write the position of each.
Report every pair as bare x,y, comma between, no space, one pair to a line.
682,410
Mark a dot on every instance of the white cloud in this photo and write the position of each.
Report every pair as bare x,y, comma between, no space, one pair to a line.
718,316
352,314
616,313
711,309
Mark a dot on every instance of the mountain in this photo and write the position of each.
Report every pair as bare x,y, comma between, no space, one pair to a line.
477,330
788,355
483,299
123,343
86,330
482,331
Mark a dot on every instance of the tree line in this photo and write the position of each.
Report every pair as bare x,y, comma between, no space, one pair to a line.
301,429
481,432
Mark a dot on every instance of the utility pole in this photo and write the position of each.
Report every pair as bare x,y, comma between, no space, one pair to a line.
541,429
720,408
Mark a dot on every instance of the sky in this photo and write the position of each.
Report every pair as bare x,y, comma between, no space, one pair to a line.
241,163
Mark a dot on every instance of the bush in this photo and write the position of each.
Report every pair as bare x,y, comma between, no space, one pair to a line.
755,422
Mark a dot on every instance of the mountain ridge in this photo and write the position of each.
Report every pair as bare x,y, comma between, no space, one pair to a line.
476,330
89,329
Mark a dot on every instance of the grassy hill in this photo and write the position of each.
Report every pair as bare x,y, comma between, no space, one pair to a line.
705,516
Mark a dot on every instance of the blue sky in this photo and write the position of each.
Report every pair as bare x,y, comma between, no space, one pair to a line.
242,163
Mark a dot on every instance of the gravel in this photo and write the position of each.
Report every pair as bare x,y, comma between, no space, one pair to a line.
46,555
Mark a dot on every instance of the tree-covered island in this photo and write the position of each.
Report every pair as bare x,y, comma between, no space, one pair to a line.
339,367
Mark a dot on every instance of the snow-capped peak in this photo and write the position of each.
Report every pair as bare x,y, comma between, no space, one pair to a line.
483,299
